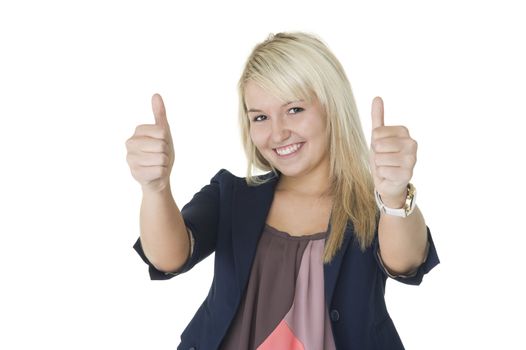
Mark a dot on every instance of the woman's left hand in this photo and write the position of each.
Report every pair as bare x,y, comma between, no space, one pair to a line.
392,157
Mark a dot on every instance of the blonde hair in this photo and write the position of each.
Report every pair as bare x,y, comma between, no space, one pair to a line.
296,65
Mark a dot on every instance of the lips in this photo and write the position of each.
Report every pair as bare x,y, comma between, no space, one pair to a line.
290,144
297,146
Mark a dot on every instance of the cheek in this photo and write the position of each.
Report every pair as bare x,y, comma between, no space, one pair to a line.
317,132
257,136
253,136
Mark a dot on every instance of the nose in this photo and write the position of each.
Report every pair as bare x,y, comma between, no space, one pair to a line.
280,131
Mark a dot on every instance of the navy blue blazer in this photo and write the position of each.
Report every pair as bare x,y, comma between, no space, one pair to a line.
227,217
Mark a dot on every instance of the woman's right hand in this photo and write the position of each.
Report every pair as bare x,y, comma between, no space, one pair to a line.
150,151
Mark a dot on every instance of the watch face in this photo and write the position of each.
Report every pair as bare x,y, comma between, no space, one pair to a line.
411,198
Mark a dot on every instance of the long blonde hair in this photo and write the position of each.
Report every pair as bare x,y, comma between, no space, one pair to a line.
296,65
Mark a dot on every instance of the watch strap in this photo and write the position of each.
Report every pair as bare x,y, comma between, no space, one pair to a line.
407,209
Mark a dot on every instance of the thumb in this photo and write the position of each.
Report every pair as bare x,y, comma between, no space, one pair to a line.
159,111
377,112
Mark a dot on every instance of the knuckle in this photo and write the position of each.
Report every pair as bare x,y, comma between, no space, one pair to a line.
164,147
410,144
131,143
157,159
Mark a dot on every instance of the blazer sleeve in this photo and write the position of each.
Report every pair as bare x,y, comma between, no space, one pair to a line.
201,217
415,278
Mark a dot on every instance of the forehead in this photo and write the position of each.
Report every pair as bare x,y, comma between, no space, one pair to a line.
256,96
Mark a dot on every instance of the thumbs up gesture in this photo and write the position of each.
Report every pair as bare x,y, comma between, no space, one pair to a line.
392,157
150,150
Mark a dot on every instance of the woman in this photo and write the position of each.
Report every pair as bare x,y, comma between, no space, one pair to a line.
302,252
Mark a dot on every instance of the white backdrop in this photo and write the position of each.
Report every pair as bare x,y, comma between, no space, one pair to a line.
76,78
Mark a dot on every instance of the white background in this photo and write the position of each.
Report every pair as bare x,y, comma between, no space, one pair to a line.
77,78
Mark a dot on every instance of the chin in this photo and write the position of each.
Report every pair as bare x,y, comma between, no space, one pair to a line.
290,172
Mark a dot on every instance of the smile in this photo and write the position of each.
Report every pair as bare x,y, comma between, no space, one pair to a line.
288,150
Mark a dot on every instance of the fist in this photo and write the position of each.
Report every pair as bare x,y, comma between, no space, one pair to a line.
150,152
392,157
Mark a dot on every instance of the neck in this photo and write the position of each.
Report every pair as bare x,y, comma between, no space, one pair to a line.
312,185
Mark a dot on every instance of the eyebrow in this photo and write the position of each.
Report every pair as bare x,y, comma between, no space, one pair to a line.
288,103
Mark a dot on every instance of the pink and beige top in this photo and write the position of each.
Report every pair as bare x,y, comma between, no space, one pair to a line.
284,306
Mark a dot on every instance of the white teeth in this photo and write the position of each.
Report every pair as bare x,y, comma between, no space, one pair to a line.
288,150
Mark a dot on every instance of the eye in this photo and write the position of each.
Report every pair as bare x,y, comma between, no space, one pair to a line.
256,117
298,109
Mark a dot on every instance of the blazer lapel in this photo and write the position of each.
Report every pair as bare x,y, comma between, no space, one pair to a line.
331,271
250,210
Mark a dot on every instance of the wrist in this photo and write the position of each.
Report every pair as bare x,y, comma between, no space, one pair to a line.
161,190
395,202
394,206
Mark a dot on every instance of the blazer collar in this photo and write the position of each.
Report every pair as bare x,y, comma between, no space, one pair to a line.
251,205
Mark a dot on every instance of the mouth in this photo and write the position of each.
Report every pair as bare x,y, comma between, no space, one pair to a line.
288,151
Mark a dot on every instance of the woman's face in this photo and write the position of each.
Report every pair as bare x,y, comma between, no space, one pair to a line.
289,134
